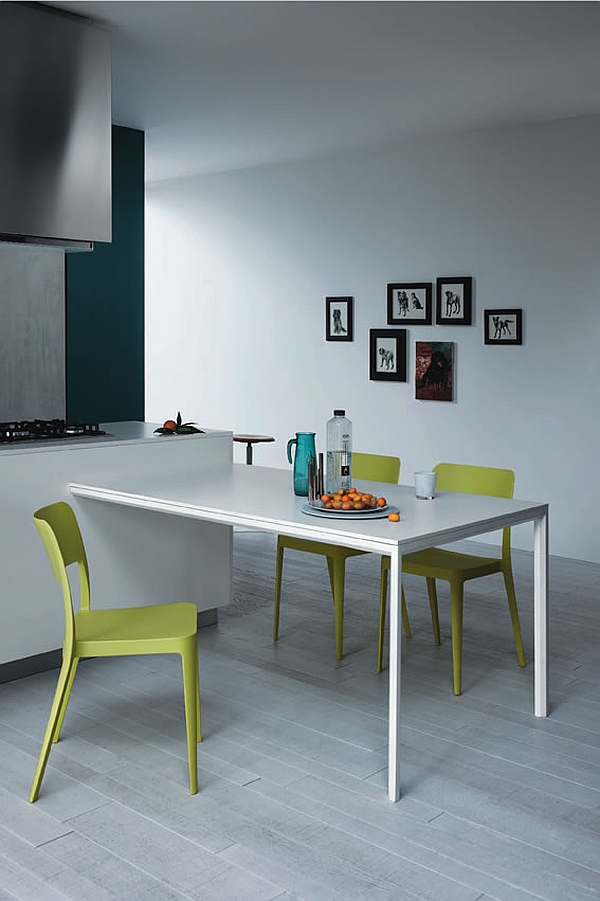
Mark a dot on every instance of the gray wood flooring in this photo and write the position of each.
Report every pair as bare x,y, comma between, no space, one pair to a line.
496,803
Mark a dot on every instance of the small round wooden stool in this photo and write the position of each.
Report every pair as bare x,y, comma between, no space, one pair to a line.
249,440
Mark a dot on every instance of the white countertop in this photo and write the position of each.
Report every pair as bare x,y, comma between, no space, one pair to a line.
116,433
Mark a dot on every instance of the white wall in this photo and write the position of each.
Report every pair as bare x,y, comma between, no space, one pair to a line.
239,265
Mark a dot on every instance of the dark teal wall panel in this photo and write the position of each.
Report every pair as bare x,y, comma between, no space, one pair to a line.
105,302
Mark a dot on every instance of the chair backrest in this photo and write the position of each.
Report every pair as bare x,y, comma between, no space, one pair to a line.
475,479
62,539
478,480
376,468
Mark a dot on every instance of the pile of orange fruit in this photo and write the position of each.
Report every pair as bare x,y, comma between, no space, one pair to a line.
351,499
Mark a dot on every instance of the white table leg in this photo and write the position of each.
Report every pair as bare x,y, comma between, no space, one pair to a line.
540,615
394,675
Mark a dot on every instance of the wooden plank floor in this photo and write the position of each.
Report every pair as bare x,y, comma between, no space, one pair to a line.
496,803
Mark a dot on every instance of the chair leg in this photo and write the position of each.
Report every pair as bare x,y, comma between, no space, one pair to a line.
67,695
198,711
383,584
338,586
514,614
278,578
456,617
331,572
405,619
60,697
433,605
189,664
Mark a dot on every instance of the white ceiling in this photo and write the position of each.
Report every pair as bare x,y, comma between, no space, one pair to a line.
222,85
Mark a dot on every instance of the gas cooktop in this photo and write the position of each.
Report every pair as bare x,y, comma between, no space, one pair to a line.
46,429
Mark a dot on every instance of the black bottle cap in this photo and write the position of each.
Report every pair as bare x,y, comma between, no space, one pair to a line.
339,412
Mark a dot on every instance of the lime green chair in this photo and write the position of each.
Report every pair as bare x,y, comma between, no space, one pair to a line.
160,629
455,568
366,467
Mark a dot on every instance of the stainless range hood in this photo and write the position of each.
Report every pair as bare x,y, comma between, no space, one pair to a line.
55,127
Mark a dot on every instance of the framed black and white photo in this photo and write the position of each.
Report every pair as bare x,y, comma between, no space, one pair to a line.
387,354
503,326
409,303
453,301
338,319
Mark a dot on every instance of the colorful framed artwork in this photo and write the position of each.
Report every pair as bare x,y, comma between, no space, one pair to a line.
387,354
453,301
434,370
503,326
409,303
339,319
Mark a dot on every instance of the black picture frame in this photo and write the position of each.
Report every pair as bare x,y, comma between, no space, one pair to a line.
503,326
339,318
382,344
453,300
410,303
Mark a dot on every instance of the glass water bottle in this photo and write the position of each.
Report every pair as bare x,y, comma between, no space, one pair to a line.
339,452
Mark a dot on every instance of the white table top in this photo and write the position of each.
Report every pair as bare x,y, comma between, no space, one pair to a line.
262,497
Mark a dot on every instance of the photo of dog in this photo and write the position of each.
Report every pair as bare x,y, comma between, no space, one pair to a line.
409,303
453,301
339,318
387,355
503,326
434,370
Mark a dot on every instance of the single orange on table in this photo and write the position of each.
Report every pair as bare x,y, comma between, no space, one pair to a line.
170,424
394,517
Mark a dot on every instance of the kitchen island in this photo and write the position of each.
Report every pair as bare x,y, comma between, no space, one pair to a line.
135,556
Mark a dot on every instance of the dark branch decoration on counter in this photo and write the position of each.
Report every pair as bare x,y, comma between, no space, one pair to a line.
177,427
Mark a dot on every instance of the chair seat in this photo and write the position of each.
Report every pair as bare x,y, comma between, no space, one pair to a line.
448,564
154,623
317,547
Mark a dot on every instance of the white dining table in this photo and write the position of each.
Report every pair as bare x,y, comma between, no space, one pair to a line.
262,498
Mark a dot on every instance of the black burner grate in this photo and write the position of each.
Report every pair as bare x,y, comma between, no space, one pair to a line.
48,429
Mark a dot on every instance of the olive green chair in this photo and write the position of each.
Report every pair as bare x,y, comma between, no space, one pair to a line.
366,467
159,629
456,568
